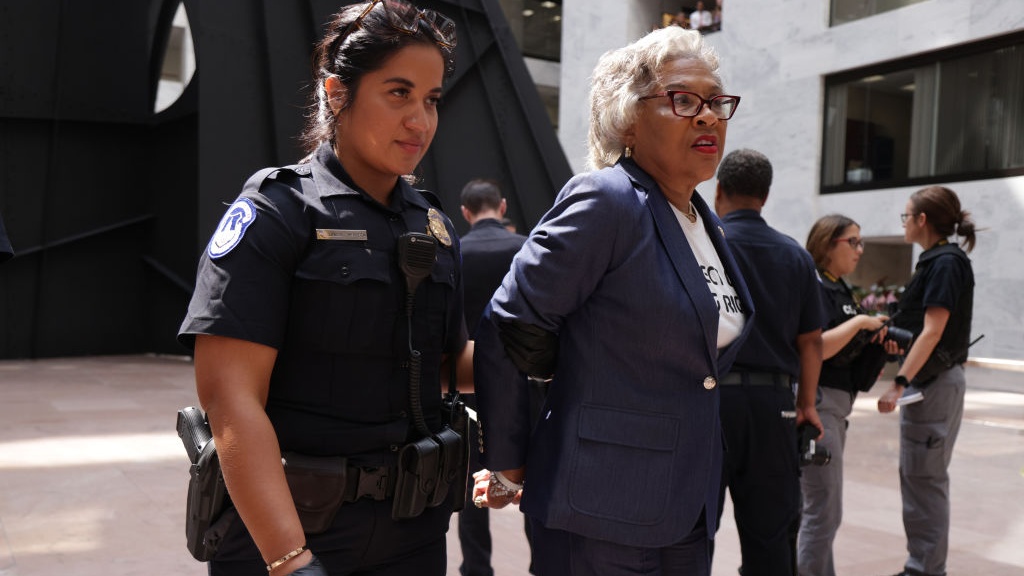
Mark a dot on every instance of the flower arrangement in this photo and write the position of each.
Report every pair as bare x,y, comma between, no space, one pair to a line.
879,297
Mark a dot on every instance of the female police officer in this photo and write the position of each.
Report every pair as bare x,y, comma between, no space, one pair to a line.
302,328
936,306
854,349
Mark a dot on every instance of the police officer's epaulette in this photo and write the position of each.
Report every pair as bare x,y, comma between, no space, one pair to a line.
277,173
434,199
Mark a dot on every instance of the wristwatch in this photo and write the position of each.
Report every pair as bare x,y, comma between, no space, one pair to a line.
901,381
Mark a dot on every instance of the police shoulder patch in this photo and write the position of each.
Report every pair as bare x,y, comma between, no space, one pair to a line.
232,227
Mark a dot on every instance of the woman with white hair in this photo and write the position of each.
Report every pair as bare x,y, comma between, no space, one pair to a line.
626,299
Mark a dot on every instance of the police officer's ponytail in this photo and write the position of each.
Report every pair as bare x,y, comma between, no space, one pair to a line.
965,229
942,206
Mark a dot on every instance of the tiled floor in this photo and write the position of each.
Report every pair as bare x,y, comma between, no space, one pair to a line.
93,477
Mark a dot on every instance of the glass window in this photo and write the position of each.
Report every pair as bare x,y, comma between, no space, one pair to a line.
947,116
537,27
848,10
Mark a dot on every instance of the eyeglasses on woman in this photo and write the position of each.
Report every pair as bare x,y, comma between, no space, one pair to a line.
854,241
688,104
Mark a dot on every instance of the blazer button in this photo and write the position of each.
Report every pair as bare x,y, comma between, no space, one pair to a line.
710,383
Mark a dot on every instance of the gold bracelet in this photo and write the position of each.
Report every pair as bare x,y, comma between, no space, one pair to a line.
286,557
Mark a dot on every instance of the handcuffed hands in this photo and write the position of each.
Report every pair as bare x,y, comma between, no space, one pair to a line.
490,492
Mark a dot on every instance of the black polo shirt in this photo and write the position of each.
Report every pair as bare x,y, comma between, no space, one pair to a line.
943,277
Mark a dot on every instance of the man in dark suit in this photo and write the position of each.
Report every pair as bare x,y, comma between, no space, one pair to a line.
759,412
487,249
487,252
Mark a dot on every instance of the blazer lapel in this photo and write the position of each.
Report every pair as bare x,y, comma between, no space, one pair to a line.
679,253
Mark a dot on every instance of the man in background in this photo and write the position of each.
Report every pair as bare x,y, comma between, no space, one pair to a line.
759,412
487,252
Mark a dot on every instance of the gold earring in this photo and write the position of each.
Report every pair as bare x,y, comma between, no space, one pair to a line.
628,152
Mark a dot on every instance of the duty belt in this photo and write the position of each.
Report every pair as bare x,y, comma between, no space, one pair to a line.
316,480
741,378
373,483
322,485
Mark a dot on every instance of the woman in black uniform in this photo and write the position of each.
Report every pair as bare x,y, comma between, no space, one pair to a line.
319,284
936,306
854,354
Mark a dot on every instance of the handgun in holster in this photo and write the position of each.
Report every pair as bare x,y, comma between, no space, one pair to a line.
208,509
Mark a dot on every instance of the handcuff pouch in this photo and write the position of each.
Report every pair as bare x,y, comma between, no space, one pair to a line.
456,461
452,467
417,478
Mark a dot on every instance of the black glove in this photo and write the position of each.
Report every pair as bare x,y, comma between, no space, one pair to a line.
314,568
532,349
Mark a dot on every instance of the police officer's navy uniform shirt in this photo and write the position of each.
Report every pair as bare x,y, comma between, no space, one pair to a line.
307,264
783,283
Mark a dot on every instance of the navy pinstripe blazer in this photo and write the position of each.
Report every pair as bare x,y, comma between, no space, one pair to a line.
628,447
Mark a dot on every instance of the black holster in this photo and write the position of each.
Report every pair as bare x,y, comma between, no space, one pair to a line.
417,478
939,361
455,415
432,468
208,509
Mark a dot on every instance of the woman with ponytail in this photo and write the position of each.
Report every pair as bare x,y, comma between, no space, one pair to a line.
936,307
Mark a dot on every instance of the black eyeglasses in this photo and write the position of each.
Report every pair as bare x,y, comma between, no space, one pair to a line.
853,241
688,104
905,217
406,18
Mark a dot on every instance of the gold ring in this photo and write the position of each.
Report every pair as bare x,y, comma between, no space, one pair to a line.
479,501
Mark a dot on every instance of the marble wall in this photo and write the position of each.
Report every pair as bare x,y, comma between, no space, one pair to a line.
776,59
589,29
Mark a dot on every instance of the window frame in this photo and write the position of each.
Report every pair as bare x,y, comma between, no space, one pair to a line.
874,11
906,64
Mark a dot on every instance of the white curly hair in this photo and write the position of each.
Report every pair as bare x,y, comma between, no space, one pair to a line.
622,76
